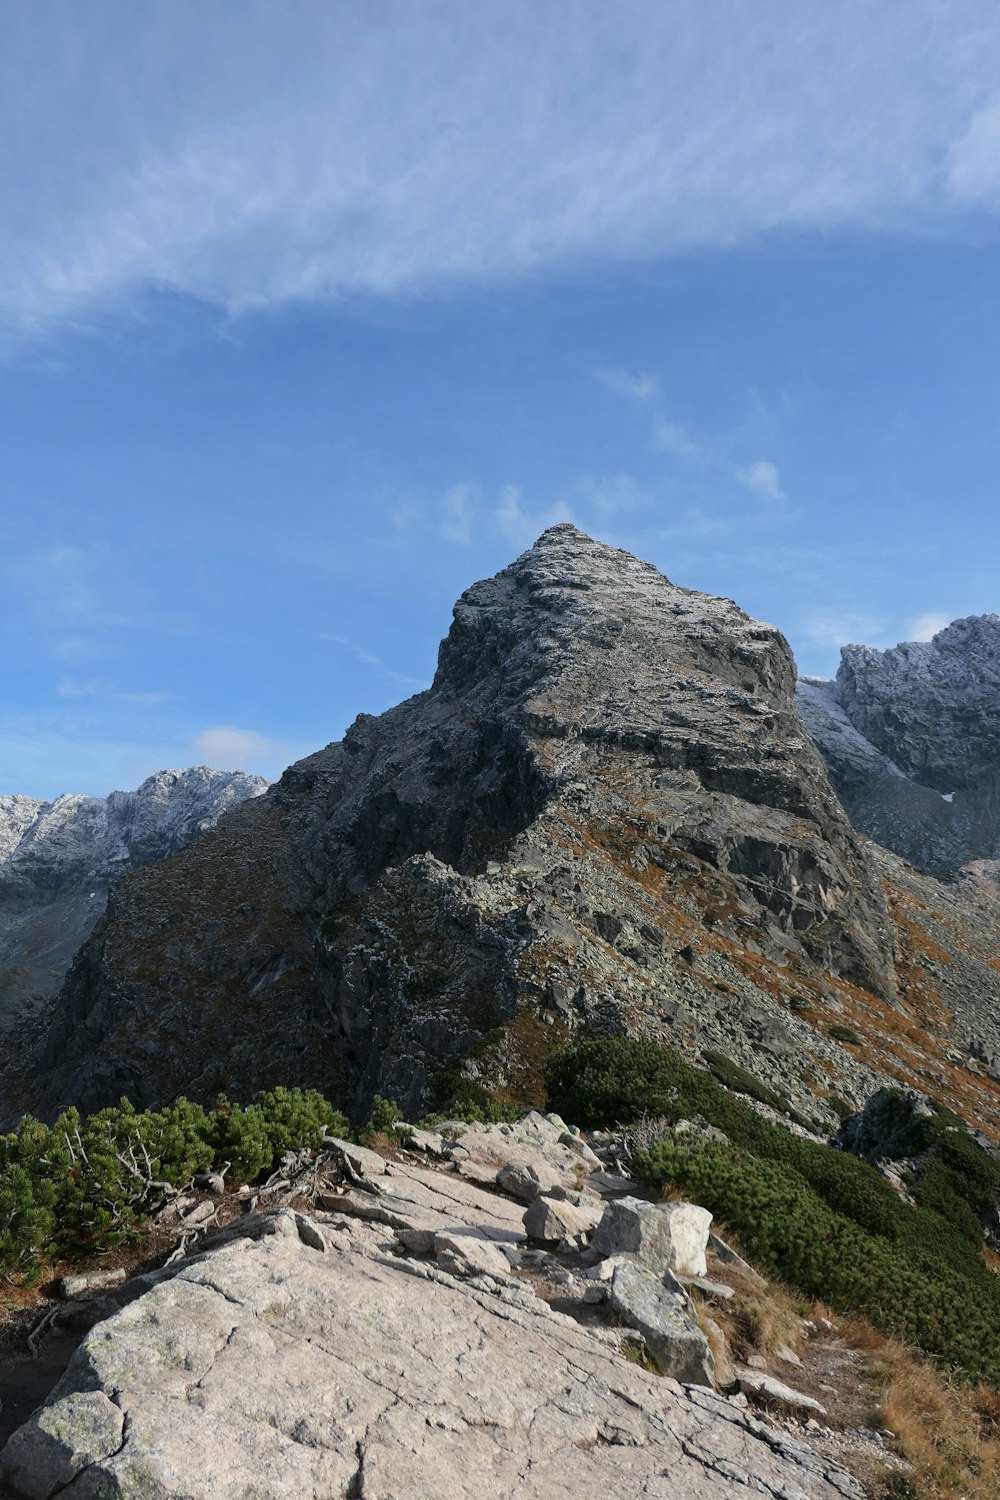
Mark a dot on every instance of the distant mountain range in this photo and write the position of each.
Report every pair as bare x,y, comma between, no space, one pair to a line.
58,859
912,740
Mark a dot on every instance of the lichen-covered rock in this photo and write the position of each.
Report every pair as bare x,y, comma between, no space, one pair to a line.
64,1440
675,1341
606,766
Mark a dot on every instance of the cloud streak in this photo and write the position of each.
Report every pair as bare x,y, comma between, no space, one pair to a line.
255,157
228,748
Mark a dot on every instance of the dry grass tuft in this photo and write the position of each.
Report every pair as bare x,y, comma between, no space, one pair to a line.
758,1321
950,1434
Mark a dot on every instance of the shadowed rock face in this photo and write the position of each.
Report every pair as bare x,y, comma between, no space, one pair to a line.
492,864
912,740
57,860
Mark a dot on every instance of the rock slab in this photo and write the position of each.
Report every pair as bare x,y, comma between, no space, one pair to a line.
268,1369
674,1340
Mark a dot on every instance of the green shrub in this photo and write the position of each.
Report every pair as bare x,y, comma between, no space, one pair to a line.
786,1227
820,1218
732,1076
382,1120
615,1080
456,1096
845,1034
82,1185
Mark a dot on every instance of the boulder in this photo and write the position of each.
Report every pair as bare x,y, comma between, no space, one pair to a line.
676,1343
469,1252
717,1291
771,1392
526,1180
554,1219
71,1287
65,1438
657,1234
358,1161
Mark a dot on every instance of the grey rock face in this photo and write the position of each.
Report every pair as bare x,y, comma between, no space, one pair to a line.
912,739
552,1220
57,860
606,767
271,1368
673,1338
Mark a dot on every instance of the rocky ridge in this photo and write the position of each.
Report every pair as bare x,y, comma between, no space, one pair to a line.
58,859
604,814
912,739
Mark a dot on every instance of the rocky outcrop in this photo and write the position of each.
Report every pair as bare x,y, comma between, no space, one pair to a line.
912,739
339,1353
604,800
57,860
273,1368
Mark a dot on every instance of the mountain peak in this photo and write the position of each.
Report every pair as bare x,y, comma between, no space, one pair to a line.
58,858
602,758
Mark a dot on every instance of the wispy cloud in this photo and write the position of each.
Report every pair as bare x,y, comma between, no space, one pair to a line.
94,687
371,659
56,582
762,478
168,150
521,524
231,749
834,628
925,627
457,513
670,437
637,385
470,513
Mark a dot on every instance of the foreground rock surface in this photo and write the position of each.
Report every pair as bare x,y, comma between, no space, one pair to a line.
271,1369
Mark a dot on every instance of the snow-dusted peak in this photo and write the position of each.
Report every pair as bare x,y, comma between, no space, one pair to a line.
46,845
17,815
912,739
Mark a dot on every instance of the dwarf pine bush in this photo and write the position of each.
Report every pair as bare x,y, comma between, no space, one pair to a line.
84,1184
819,1218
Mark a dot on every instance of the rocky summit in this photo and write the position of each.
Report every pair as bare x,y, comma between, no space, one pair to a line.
912,739
57,860
604,816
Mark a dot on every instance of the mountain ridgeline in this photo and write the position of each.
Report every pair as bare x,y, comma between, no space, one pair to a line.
605,816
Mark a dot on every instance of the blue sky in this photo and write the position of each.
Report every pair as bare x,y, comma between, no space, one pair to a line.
312,314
